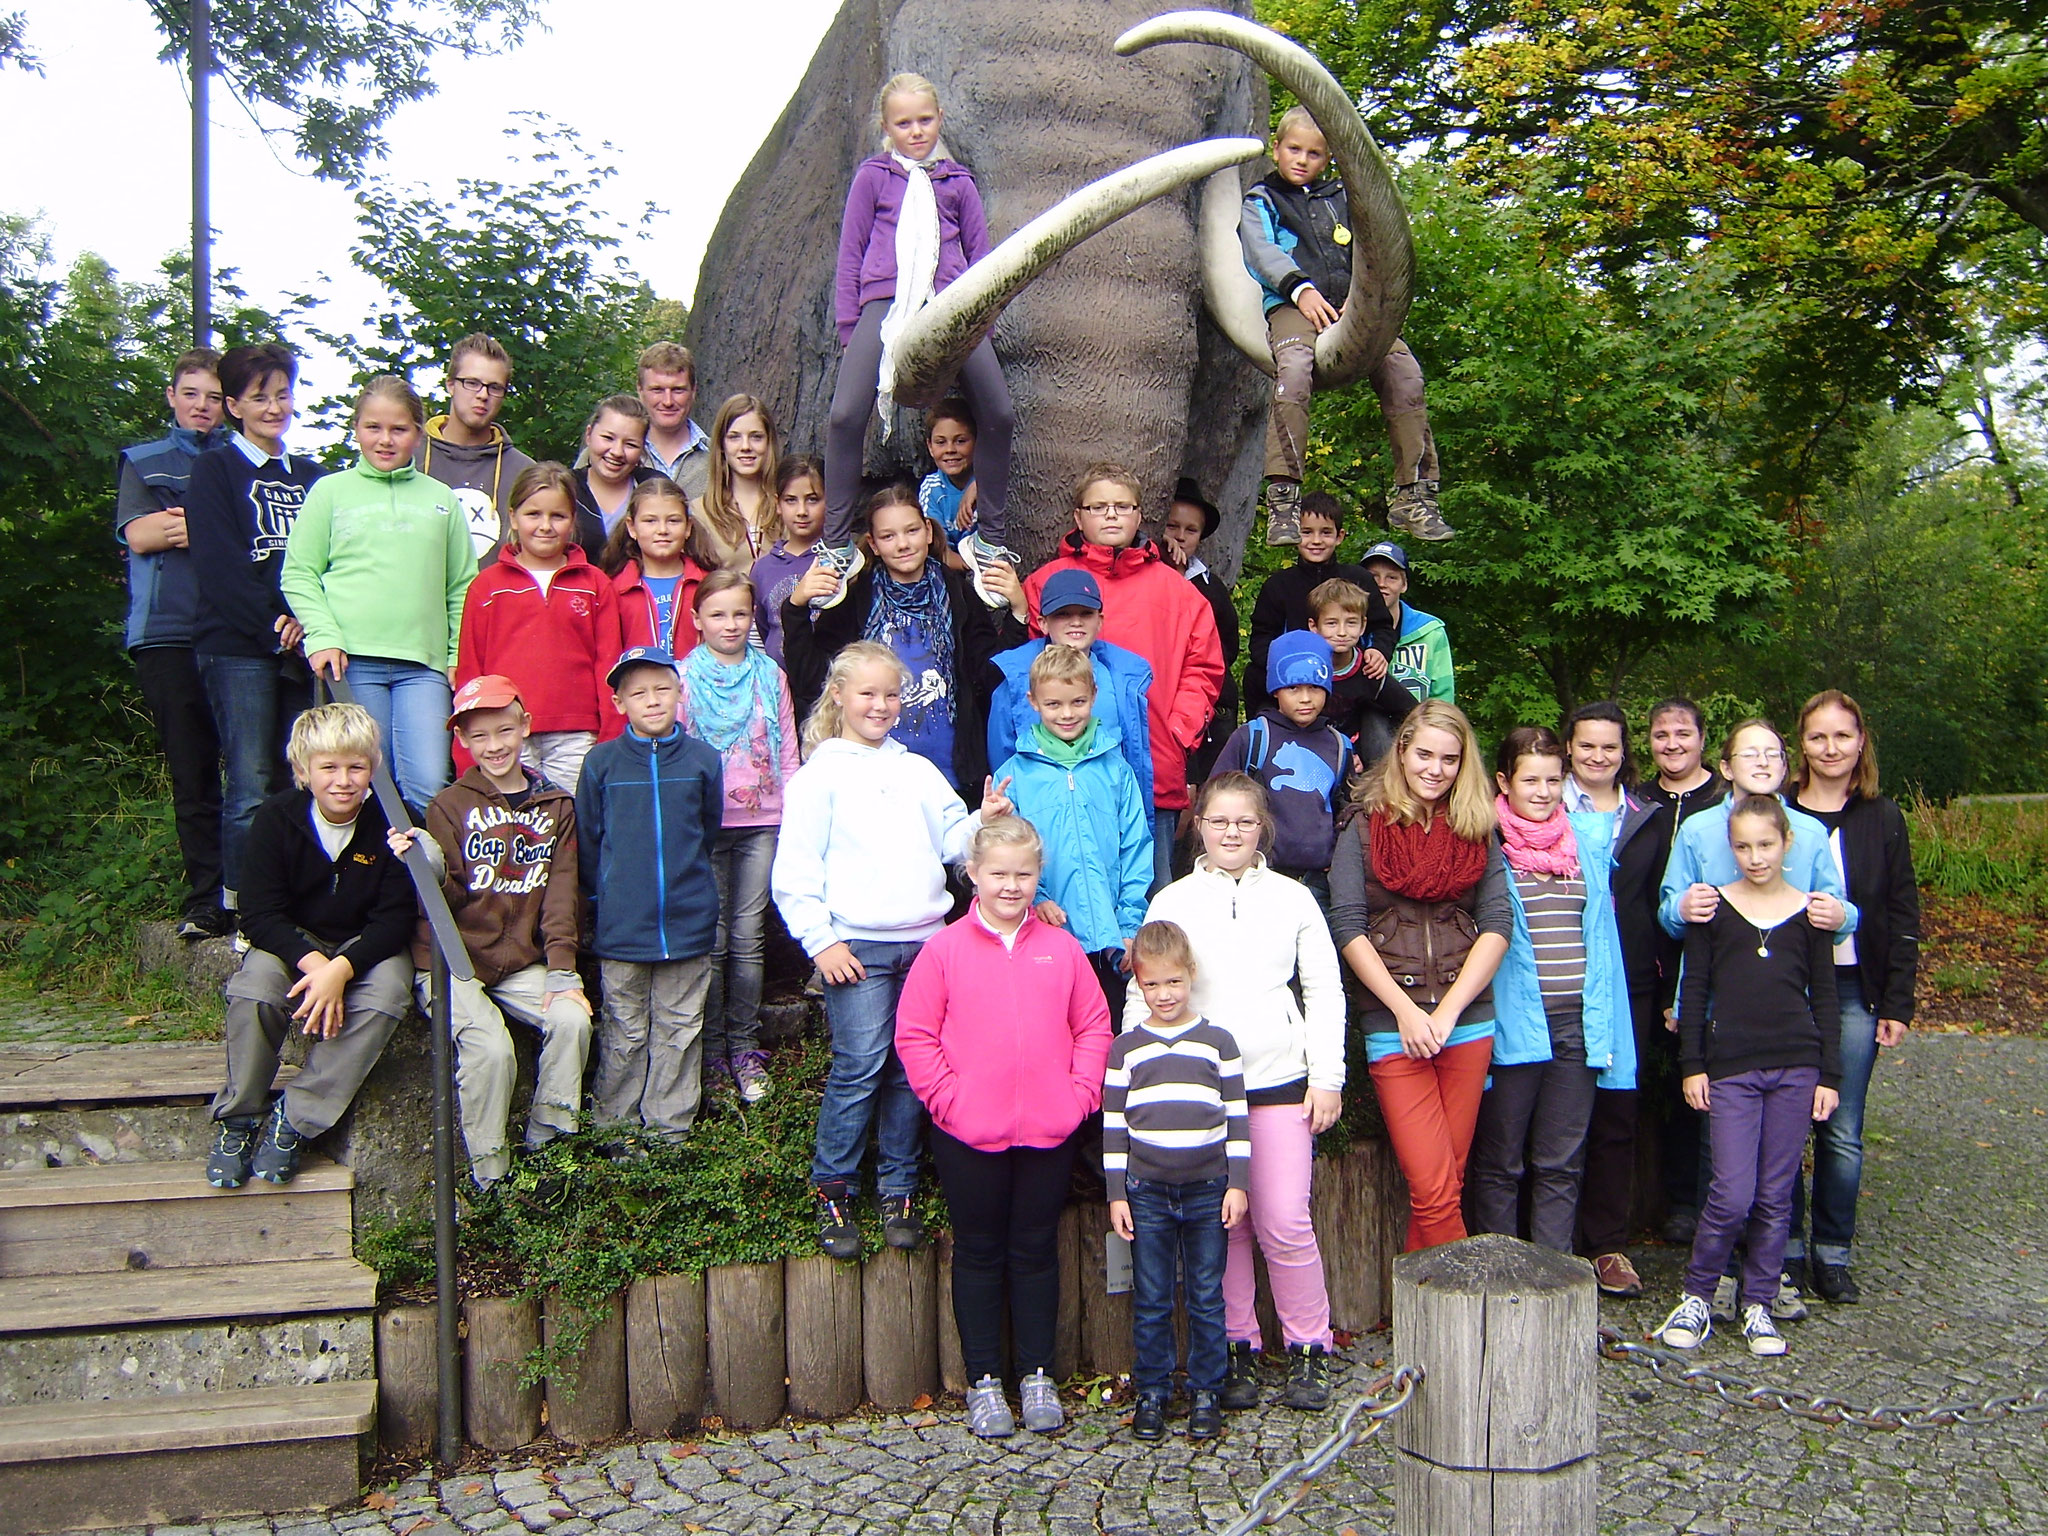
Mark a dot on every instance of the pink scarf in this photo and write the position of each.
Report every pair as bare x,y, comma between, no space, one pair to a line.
1537,847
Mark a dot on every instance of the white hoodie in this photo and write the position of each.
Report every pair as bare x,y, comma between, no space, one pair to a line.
866,835
1250,936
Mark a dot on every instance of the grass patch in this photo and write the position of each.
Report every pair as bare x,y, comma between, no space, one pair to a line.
1968,980
1997,852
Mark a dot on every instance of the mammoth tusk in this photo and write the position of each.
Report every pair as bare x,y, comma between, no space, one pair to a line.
938,338
1232,293
1383,251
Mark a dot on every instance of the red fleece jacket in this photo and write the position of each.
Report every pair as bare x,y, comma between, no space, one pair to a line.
638,622
556,645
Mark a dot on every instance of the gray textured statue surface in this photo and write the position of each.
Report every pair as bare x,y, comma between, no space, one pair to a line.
1142,343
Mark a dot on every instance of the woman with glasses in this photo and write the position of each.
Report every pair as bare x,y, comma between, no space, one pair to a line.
1255,935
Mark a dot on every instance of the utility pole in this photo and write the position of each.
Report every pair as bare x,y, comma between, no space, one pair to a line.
202,213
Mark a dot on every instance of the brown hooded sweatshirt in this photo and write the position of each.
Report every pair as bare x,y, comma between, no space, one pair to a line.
511,876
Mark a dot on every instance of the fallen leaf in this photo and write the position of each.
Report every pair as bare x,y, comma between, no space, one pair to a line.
379,1500
1985,1144
931,1420
922,1400
1343,1339
626,1486
1349,1530
555,1512
691,1525
687,1448
418,1525
472,1489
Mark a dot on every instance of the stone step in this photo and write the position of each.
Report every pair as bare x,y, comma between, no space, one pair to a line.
187,1357
162,1216
36,1076
182,1457
125,1298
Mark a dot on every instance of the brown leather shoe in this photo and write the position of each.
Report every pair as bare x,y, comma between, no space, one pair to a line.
1617,1277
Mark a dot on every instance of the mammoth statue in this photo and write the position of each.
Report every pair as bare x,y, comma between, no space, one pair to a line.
1112,168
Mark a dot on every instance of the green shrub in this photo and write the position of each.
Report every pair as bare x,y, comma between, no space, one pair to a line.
1997,851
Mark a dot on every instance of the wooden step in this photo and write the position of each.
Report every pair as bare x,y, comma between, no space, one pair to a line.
151,1461
158,1216
281,1288
36,1075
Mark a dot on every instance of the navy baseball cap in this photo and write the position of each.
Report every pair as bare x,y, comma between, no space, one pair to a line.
640,656
1386,550
1299,658
1069,589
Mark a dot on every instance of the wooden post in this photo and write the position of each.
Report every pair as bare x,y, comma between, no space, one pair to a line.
665,1366
821,1300
743,1307
1500,1436
1066,1339
952,1362
587,1395
502,1332
1107,1348
408,1396
900,1326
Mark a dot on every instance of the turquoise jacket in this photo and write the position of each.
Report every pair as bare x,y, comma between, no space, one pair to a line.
1097,829
1520,1034
1700,855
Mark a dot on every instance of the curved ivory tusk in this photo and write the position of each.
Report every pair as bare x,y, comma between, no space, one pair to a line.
1233,295
1383,251
938,338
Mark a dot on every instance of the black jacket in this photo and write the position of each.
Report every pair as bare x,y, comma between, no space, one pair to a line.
1224,721
1283,605
810,641
590,531
1879,853
1642,847
292,892
238,516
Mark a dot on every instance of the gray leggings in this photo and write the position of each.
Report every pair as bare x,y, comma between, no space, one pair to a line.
853,403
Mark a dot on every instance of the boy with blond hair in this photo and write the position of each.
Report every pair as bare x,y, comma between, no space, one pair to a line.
467,451
1367,702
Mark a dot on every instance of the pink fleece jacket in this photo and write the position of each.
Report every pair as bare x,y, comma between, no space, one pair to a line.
1004,1045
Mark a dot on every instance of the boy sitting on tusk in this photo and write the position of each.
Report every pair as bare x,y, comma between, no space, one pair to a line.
1298,246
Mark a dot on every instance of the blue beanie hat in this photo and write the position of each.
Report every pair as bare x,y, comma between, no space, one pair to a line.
1299,657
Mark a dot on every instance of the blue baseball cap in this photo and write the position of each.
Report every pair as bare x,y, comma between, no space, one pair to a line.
1069,589
1299,658
1388,551
640,656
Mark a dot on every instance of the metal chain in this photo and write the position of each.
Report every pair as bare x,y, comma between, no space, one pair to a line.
1677,1371
1282,1493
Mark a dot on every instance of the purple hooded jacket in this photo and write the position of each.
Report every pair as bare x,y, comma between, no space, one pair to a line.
867,237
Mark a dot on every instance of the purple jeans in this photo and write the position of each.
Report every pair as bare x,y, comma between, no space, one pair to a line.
1758,1124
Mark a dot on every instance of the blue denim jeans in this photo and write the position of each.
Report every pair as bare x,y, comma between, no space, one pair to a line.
741,859
1178,1225
254,700
1838,1140
867,1080
1164,824
410,704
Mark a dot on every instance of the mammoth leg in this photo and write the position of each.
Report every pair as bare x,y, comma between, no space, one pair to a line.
1294,361
1397,380
846,429
995,424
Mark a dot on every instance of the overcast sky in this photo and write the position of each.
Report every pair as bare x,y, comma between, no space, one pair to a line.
100,145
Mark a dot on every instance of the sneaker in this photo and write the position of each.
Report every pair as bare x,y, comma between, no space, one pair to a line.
901,1225
241,942
1308,1378
1411,509
1833,1283
988,1411
1789,1306
1205,1418
1690,1325
1148,1419
1760,1331
234,1144
838,1237
207,921
847,562
982,556
1042,1411
1616,1276
750,1072
1680,1225
1240,1377
1725,1299
1283,512
277,1154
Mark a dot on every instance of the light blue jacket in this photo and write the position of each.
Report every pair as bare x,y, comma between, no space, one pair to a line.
1097,829
1700,855
1123,687
1520,1033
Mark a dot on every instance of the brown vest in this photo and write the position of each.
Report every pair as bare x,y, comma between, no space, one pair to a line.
1423,944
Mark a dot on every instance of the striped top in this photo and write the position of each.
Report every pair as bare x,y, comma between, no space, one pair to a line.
1556,909
1173,1107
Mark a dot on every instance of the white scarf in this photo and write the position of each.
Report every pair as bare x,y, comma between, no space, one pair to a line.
917,264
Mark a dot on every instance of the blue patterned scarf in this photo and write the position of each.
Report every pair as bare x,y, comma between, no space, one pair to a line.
923,602
724,699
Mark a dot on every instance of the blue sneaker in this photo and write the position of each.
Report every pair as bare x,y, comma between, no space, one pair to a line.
234,1144
277,1155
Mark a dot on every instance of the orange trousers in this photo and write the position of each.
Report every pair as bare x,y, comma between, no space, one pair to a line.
1431,1106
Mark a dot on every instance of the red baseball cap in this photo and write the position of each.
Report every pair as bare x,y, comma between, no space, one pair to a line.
487,692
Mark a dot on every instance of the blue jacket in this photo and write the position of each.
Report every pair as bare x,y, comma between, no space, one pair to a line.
647,813
1097,828
162,595
1289,235
1700,855
1123,686
1520,1032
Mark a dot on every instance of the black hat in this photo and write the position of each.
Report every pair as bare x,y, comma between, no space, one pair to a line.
1185,489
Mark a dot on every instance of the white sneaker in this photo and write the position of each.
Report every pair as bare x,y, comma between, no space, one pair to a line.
1760,1331
1726,1299
846,563
982,555
1788,1306
988,1413
1688,1327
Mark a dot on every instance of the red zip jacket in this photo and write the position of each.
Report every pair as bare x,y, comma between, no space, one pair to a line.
556,646
1150,608
637,611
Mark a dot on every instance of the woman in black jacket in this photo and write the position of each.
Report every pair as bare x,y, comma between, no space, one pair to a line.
929,616
1875,968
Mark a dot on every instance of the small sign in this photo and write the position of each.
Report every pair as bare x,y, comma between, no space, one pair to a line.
1116,1255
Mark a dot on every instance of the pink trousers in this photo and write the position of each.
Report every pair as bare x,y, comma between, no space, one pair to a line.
1282,1151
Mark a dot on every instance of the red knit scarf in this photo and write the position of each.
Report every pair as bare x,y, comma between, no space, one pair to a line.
1429,863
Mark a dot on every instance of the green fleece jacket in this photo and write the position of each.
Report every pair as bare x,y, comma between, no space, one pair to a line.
1422,657
377,565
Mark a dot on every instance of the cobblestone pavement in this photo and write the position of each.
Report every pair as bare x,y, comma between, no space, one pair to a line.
1954,1266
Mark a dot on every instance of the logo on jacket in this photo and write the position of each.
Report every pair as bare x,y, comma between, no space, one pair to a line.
481,514
579,605
1300,770
277,504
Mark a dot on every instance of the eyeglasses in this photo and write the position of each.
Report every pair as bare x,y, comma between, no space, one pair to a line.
482,387
668,391
1760,755
1100,508
1248,825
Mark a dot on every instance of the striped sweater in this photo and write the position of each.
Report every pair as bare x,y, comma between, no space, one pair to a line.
1173,1107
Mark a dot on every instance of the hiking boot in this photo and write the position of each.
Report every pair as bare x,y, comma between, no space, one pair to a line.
277,1154
838,1237
845,562
1308,1378
207,920
1833,1283
1411,509
1789,1306
1760,1331
901,1225
1240,1377
1616,1276
750,1072
1725,1299
1148,1419
982,557
1205,1418
1690,1325
1283,512
234,1144
988,1411
1680,1225
1042,1411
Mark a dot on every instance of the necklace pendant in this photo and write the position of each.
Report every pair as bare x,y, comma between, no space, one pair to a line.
1764,950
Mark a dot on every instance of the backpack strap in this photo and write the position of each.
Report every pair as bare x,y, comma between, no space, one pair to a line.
1255,748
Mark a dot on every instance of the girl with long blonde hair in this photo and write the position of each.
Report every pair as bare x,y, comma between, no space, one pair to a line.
737,510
